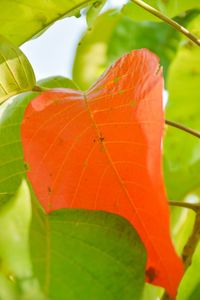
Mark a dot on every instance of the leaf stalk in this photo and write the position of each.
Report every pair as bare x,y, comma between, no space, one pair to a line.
167,20
184,128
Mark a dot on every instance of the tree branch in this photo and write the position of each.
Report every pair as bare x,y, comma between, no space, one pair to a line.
171,22
182,127
193,240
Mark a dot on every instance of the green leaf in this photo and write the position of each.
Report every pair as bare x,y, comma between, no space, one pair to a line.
79,254
57,82
91,55
114,35
12,165
21,20
170,8
189,288
181,150
93,12
157,37
16,276
16,73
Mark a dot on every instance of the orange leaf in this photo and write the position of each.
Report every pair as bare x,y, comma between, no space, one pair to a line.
101,149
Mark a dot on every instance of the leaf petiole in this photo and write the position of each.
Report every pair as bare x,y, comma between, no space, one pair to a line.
171,22
184,128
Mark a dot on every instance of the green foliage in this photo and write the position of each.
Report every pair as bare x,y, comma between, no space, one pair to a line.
16,73
39,15
16,276
79,254
12,165
182,151
190,286
113,35
91,55
57,82
170,8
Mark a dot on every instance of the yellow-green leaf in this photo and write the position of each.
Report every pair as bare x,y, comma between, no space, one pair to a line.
16,73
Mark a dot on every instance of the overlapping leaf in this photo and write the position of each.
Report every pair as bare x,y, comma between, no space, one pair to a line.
79,254
182,151
170,8
102,150
12,166
16,73
113,35
21,20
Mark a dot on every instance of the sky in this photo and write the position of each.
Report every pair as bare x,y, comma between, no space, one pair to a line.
52,53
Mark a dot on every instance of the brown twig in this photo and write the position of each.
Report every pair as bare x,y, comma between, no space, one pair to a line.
167,20
184,128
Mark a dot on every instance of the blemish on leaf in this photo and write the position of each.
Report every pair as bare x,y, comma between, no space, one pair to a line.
49,190
101,138
116,79
121,92
151,274
132,103
26,166
97,4
158,69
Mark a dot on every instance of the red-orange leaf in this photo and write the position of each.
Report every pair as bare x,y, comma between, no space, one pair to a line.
102,150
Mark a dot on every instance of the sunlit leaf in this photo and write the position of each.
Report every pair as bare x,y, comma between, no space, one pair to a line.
94,11
21,20
91,56
108,155
16,73
16,276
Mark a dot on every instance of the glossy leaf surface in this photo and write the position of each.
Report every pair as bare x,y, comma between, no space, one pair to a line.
102,150
16,73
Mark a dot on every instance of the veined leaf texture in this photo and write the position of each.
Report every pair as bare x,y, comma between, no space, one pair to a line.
101,150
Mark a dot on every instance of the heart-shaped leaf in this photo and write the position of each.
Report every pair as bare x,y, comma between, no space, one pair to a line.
102,150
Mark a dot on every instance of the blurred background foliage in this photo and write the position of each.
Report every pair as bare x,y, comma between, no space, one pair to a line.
110,34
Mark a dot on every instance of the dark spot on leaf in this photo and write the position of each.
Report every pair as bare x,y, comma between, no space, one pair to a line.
151,274
49,190
132,103
96,4
116,79
101,138
26,166
158,69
